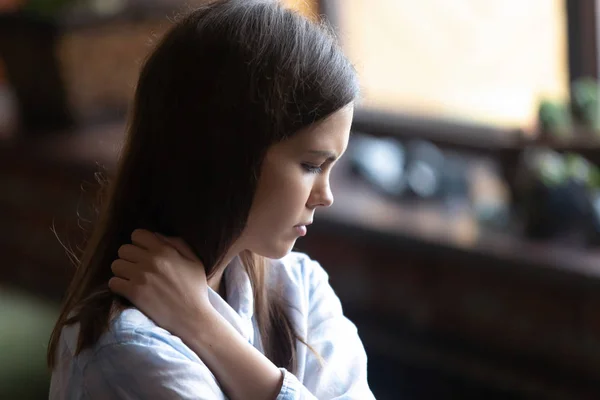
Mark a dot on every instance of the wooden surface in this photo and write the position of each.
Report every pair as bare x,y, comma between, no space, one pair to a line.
358,208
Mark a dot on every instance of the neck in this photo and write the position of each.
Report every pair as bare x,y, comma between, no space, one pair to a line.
216,280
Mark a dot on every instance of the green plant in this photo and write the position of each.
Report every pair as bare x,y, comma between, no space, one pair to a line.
584,102
555,118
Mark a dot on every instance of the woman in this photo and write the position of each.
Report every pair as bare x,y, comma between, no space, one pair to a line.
187,288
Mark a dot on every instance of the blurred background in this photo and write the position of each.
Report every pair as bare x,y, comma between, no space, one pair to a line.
465,237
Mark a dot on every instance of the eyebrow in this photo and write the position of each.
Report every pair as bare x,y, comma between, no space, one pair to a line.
329,155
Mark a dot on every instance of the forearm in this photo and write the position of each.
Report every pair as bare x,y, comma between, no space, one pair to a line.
242,371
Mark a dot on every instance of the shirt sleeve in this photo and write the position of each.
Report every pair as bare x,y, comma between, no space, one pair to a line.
342,372
148,369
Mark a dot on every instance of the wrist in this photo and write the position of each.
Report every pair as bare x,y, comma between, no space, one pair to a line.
197,324
239,367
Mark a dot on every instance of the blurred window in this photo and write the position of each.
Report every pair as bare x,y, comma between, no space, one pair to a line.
485,61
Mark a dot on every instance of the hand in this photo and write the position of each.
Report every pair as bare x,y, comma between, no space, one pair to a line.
163,278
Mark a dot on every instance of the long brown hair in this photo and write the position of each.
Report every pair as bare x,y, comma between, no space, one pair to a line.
226,82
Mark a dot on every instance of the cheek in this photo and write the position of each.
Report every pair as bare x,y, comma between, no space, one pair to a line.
280,199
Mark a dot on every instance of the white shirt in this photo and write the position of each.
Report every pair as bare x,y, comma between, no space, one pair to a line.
136,359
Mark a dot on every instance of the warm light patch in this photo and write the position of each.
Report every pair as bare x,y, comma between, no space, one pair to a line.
486,61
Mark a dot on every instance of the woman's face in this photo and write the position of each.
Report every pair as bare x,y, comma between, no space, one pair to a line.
294,182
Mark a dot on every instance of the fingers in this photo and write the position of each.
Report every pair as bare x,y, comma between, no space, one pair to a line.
124,269
121,287
132,253
182,247
145,239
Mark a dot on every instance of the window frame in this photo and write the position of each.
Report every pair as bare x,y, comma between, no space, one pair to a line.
582,61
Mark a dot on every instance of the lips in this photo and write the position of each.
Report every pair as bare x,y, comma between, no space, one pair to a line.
301,230
304,224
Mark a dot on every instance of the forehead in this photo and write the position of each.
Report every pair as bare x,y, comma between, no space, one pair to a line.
332,133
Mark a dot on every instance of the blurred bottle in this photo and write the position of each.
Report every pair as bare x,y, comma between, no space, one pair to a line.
380,162
8,112
489,195
424,169
8,108
29,33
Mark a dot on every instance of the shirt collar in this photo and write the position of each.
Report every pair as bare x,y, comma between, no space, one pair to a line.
239,307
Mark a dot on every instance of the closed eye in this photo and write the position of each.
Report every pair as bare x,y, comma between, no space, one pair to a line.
313,169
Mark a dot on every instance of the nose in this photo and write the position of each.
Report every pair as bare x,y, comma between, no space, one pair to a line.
327,199
321,196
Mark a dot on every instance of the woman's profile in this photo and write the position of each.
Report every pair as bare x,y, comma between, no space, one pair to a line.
188,287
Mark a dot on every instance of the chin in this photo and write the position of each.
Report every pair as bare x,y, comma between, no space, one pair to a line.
276,250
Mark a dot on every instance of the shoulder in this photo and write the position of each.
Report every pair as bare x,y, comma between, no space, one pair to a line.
304,284
299,269
131,336
134,358
132,330
141,359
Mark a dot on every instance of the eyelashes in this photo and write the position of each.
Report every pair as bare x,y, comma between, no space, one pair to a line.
313,169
